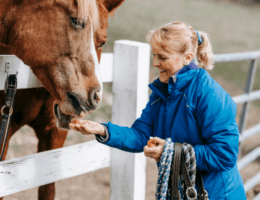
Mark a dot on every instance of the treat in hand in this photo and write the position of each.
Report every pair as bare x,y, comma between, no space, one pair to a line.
154,148
151,142
87,127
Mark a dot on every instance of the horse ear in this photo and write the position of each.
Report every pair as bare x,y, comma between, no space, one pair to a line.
111,5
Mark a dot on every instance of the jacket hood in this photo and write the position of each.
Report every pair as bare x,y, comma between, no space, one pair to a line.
178,82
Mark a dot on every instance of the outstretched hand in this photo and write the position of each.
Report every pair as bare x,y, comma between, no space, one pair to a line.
87,127
154,148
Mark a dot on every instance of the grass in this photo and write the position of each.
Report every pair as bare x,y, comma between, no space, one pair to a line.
231,28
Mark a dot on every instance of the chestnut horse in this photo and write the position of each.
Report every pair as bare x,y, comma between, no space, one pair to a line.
61,41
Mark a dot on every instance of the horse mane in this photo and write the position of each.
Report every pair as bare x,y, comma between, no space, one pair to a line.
89,8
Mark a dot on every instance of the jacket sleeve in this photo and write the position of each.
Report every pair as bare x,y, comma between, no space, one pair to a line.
135,138
216,114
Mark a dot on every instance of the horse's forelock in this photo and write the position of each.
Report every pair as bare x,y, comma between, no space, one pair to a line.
88,8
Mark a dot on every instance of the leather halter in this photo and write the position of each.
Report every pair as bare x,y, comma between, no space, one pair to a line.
179,167
10,88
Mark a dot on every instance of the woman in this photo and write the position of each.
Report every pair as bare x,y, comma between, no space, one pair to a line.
186,105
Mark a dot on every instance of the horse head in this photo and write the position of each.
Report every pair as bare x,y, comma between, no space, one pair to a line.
61,40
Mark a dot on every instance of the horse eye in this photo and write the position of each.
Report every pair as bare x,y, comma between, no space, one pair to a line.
102,44
77,23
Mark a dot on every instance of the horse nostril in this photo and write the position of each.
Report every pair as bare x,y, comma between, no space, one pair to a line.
95,97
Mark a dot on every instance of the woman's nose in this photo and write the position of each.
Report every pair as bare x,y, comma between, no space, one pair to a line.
155,62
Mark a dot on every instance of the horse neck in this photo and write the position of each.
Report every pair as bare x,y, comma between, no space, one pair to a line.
7,9
4,6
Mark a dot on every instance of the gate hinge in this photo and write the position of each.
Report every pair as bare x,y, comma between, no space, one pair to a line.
7,65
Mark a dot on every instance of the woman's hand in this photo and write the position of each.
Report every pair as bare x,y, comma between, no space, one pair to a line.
154,148
87,127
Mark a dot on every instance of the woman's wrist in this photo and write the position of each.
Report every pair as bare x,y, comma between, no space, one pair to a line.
103,138
104,131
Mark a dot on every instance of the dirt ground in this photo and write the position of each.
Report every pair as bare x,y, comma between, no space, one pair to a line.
96,185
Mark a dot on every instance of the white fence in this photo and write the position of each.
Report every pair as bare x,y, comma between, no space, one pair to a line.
128,68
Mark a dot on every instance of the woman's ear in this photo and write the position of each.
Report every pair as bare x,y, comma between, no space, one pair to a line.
188,58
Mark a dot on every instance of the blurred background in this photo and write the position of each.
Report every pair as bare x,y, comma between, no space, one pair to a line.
232,25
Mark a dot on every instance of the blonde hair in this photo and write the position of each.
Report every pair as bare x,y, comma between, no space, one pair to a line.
181,38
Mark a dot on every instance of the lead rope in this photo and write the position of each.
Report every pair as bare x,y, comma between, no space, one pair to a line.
190,160
165,169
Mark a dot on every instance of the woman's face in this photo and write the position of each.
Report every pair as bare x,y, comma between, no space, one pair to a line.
167,63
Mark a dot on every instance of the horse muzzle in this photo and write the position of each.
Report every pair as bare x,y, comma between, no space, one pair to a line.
75,107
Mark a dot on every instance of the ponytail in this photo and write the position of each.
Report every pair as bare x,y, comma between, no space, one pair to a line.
204,52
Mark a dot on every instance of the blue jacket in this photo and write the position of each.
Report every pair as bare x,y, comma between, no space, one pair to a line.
195,109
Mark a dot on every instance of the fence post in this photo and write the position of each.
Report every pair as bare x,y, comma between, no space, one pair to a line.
245,109
249,87
130,95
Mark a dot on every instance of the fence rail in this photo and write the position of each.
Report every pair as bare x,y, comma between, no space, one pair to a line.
247,97
232,57
10,64
31,171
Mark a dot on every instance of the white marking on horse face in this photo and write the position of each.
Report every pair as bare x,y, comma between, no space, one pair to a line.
96,63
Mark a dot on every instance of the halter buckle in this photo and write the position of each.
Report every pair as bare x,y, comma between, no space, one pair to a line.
9,113
191,193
